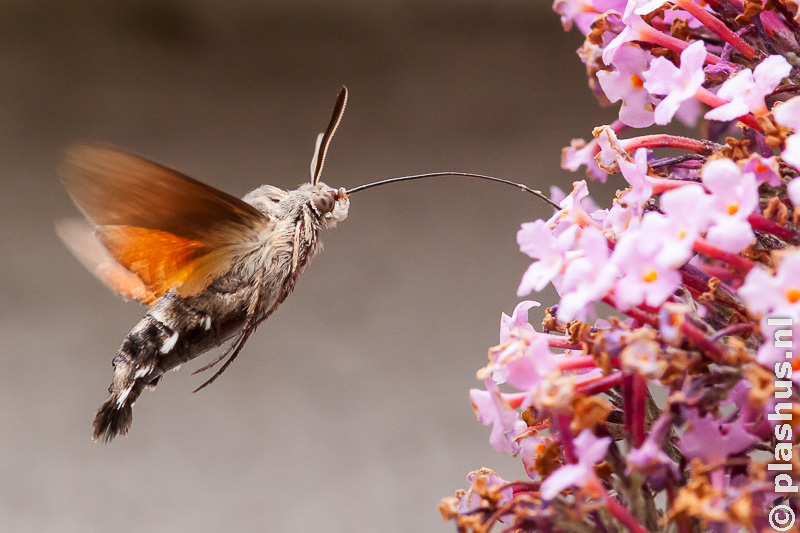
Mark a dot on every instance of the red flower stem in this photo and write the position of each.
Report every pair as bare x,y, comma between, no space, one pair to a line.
733,329
717,26
762,223
694,334
718,271
650,34
663,140
639,396
630,407
711,99
642,316
558,341
601,385
566,438
702,246
623,516
577,363
519,487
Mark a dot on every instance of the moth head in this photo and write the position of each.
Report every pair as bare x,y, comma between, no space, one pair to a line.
329,204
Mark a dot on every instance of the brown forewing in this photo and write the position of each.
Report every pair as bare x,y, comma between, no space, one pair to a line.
166,228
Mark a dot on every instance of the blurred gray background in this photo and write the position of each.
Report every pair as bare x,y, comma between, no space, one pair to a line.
348,410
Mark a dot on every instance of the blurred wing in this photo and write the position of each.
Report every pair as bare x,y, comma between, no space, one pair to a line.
167,229
82,241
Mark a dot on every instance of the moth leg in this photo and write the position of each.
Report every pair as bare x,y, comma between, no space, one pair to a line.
251,322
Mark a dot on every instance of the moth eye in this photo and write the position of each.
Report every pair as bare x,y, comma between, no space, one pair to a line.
323,203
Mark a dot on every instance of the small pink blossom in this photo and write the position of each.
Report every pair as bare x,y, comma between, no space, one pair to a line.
518,319
733,198
765,170
469,500
590,450
687,211
625,83
587,279
635,29
793,188
650,460
583,12
745,90
580,153
777,294
523,363
643,7
573,210
727,438
537,241
788,114
646,277
610,149
635,173
785,362
491,409
678,84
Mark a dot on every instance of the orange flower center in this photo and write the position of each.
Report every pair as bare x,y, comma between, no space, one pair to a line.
733,208
796,364
761,167
637,82
793,295
650,276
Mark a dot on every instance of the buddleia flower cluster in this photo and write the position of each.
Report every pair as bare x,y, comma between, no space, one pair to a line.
660,391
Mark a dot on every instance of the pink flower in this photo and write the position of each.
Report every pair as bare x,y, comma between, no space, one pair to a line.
610,148
678,84
727,439
643,7
522,363
579,154
778,294
583,12
793,188
625,83
518,319
686,210
491,409
587,279
788,114
745,90
650,459
635,29
646,276
765,170
635,173
590,451
775,357
537,241
733,198
469,500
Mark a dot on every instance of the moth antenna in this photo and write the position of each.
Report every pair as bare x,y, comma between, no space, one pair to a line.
520,186
324,139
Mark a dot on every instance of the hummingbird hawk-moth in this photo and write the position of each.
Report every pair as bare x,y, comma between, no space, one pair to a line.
210,266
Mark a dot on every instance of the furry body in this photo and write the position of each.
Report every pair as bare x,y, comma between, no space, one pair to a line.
264,271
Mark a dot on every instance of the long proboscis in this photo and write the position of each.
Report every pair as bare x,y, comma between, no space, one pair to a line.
519,186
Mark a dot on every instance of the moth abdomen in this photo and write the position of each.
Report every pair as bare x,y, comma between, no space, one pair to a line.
135,366
174,331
